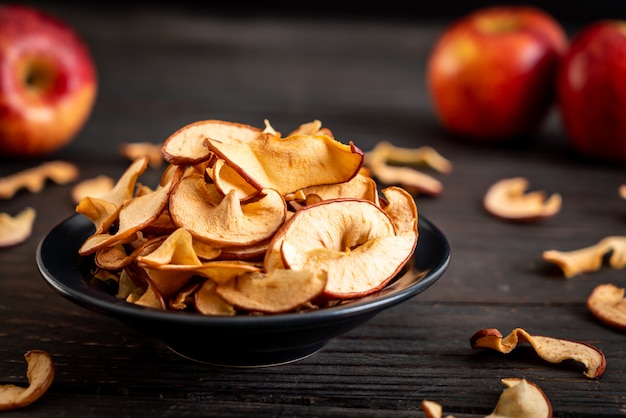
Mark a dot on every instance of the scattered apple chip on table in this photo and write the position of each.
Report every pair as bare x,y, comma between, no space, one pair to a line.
17,229
246,221
589,259
553,350
520,399
34,179
94,187
40,375
134,150
384,160
607,303
509,199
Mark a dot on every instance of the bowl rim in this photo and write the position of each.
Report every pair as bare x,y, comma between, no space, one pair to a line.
70,283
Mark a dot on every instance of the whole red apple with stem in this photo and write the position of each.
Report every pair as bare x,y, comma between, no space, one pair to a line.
491,74
592,91
48,82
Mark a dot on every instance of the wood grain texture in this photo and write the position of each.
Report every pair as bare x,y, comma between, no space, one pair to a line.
160,69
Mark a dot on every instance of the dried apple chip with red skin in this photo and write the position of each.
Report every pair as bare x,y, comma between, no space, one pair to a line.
607,303
186,145
275,292
291,163
135,215
353,240
359,187
40,374
103,211
227,222
226,179
401,208
553,350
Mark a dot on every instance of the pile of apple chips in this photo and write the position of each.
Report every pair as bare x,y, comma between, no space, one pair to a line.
246,221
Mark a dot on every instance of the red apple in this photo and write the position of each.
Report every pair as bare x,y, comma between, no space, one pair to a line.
47,82
592,91
491,74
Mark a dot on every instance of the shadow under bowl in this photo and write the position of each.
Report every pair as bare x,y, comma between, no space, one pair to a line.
236,341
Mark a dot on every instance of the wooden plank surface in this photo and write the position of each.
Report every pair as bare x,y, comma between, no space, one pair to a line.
161,69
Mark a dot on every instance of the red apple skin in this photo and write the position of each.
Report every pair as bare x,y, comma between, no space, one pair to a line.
491,74
48,82
592,91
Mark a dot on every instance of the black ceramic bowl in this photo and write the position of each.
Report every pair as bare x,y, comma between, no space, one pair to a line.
243,341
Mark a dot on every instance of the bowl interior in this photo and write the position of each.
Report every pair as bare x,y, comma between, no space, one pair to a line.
239,340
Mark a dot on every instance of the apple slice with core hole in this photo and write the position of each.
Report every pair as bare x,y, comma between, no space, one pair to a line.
212,218
354,240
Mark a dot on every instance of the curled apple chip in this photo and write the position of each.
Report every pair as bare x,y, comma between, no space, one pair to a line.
186,145
135,214
34,179
553,350
227,179
40,375
16,229
102,211
94,187
509,199
225,220
520,399
607,303
622,191
388,163
359,187
134,150
307,160
589,259
345,237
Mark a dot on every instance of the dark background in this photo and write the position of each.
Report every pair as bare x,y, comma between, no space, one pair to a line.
575,11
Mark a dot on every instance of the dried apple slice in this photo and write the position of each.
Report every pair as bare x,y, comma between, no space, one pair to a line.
521,399
103,210
224,220
16,229
186,147
508,199
226,179
401,209
208,302
292,163
553,350
40,375
359,187
94,187
354,240
133,216
589,259
607,303
276,292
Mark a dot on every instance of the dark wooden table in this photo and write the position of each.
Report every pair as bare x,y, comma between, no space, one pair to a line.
160,69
